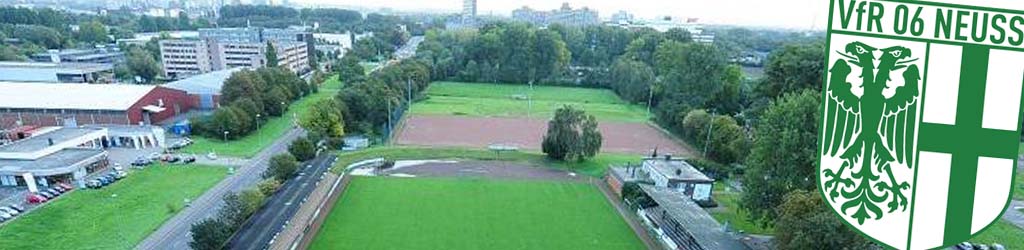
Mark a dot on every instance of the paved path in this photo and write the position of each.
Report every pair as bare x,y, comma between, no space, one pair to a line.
300,223
174,233
1013,215
262,228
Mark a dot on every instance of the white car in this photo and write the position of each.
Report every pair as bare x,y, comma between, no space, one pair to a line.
6,215
9,211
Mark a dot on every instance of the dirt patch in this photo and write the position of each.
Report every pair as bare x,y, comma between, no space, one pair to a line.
479,132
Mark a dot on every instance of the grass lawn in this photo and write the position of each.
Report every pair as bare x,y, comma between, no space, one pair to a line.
269,130
594,167
729,210
96,219
1003,233
453,214
506,100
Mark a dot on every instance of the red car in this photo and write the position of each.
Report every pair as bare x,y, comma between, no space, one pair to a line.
65,186
35,199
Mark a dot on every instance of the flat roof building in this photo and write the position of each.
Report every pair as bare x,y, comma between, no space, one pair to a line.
679,223
666,172
106,55
48,72
204,89
226,48
43,104
59,155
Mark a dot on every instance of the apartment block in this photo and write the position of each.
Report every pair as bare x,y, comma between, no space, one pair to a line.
227,48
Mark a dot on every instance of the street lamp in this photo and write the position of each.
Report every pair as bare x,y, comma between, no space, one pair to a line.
258,128
226,135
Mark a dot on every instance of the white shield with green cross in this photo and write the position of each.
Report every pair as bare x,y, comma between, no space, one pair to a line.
921,118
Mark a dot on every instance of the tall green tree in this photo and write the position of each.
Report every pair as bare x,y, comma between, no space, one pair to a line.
271,55
793,68
142,64
572,135
806,222
324,118
632,80
302,148
282,167
92,32
784,155
209,234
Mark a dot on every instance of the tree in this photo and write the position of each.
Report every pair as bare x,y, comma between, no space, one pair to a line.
303,149
235,211
92,32
793,68
142,64
10,53
632,80
271,55
325,119
282,167
209,234
349,70
784,154
806,222
572,135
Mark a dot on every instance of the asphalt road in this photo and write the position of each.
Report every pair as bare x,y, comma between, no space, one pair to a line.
270,220
174,233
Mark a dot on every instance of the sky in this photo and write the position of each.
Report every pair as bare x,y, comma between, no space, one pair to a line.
793,14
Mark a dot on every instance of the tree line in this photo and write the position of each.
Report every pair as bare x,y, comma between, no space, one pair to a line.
214,233
250,97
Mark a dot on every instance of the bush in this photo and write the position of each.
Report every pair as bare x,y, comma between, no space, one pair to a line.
282,167
268,187
303,149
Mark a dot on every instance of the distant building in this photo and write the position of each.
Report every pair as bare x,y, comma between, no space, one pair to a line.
622,17
56,72
469,7
47,104
204,89
662,24
565,15
225,48
109,55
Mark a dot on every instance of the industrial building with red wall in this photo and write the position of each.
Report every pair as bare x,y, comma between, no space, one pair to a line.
51,104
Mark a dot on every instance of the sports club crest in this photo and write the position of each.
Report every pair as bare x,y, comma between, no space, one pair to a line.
921,119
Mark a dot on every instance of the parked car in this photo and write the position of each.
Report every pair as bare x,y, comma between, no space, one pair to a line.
35,199
121,174
171,158
142,162
17,207
66,186
10,211
48,195
58,189
189,159
6,215
53,192
94,184
104,181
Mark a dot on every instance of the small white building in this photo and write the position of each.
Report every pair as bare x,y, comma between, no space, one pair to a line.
678,175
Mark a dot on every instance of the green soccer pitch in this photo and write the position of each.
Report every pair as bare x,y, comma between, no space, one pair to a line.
453,214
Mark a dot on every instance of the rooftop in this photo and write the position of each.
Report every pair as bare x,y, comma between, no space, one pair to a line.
42,141
676,169
26,95
203,84
697,222
70,68
61,162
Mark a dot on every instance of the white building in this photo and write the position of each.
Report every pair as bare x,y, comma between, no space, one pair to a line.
53,155
680,176
469,7
220,49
